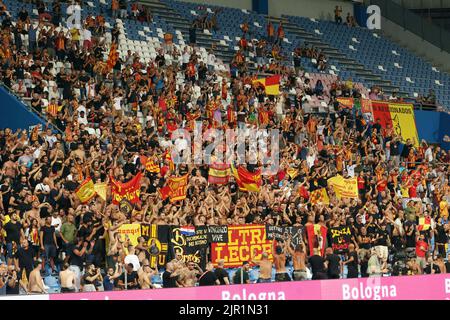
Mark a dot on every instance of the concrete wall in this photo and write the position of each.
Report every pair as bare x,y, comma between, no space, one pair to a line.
240,4
415,44
319,9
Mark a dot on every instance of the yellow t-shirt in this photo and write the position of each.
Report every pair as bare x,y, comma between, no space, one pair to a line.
5,221
75,33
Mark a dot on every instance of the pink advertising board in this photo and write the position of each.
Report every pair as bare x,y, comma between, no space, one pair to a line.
427,287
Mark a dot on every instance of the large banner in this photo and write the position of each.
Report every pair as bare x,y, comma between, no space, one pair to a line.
129,190
131,231
242,242
295,234
340,238
157,238
345,102
192,248
400,116
344,188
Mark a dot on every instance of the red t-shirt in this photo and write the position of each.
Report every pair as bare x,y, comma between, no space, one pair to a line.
420,253
361,183
381,185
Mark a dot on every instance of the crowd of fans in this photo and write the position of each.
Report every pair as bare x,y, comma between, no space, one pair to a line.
104,122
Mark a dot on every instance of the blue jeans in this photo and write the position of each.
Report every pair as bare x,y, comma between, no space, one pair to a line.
9,248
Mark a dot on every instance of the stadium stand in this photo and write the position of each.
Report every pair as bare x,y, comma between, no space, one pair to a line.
356,62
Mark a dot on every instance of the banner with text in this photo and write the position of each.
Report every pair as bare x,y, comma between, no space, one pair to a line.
340,238
399,116
242,242
192,248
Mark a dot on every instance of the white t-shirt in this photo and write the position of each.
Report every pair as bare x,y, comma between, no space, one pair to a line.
51,140
82,120
429,155
133,259
186,57
56,222
42,187
351,170
118,103
87,35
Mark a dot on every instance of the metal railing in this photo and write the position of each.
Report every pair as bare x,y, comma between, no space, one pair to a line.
414,23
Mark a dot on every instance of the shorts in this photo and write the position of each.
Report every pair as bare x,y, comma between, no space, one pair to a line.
50,251
261,280
299,275
282,277
67,290
89,288
422,262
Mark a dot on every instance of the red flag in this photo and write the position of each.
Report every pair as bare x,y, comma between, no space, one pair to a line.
317,237
130,190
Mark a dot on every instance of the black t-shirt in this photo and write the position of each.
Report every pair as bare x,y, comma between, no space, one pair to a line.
221,274
207,279
316,263
13,232
14,289
427,269
383,240
131,277
410,239
168,281
333,264
353,264
84,232
48,233
240,277
75,259
25,258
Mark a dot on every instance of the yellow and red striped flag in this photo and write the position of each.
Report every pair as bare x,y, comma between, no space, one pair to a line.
219,173
271,84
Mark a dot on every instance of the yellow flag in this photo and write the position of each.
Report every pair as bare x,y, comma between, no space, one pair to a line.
344,188
85,192
319,196
101,188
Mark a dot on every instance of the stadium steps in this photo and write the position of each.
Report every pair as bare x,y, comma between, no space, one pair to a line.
174,19
344,61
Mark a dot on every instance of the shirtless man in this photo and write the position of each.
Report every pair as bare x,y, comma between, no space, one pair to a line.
299,262
279,259
36,284
145,276
67,279
10,167
191,274
265,267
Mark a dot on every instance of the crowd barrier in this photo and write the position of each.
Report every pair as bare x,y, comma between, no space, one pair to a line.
425,287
